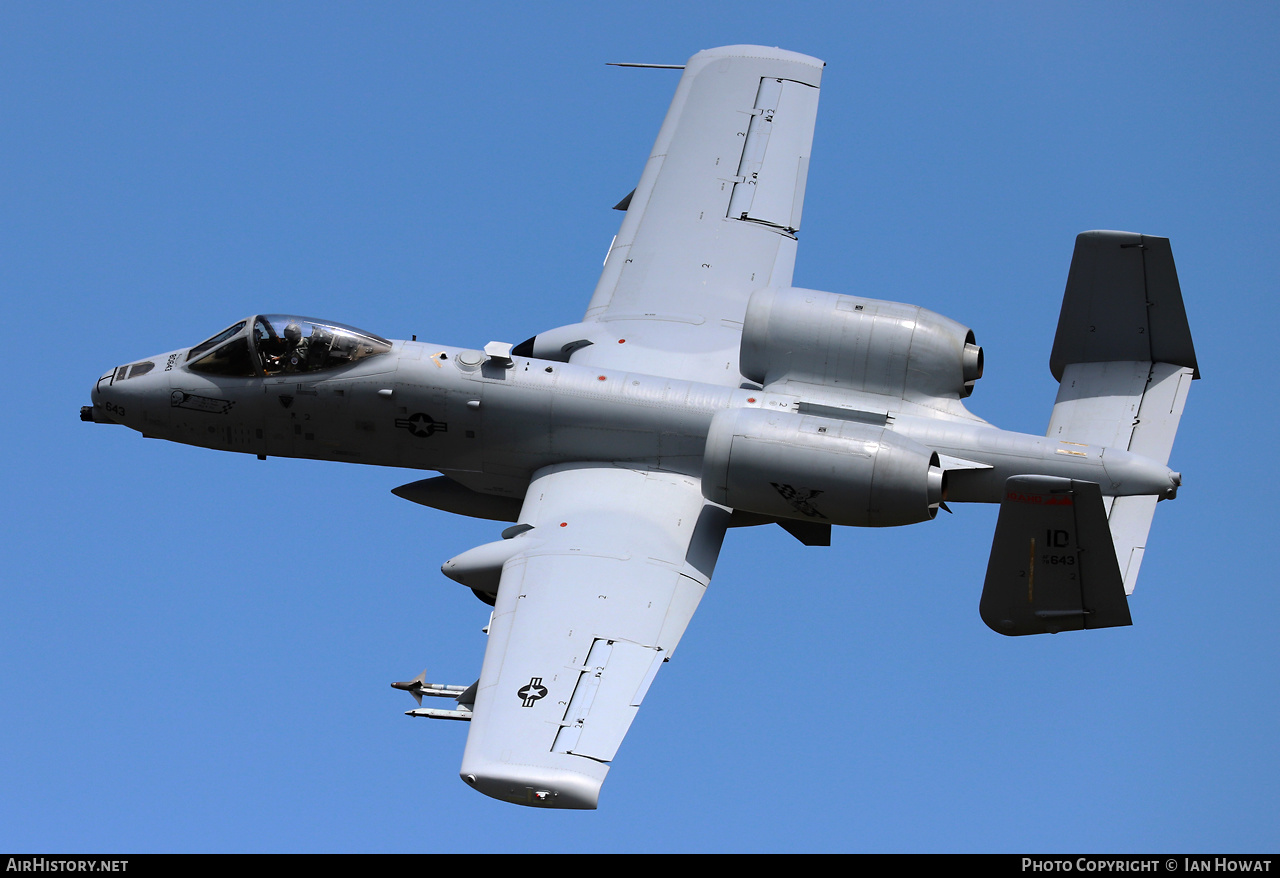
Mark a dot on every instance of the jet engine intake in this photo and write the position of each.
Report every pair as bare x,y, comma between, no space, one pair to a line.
812,337
818,469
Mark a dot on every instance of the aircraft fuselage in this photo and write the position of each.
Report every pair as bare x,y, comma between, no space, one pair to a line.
490,424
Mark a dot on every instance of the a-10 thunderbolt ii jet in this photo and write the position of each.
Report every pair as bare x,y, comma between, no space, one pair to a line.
702,391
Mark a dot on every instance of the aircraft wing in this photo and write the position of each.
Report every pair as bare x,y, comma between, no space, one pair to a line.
612,565
713,218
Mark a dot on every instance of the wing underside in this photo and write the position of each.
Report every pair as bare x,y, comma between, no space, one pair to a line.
714,215
612,566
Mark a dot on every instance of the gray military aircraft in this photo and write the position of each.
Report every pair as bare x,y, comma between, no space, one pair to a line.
703,391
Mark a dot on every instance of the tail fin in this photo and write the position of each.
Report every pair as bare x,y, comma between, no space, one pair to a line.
1051,566
1125,360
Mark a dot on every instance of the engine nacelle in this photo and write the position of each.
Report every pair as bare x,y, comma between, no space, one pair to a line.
813,337
817,469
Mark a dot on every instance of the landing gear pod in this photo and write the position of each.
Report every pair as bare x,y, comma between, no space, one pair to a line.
820,469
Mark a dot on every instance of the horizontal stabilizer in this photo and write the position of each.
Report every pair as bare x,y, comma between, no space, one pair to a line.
1144,422
1052,566
1130,521
1122,303
1125,360
1127,405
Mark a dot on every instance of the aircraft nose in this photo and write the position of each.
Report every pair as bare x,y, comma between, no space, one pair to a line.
97,413
128,395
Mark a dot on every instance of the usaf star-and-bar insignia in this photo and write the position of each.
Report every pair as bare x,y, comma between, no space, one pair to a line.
422,425
532,691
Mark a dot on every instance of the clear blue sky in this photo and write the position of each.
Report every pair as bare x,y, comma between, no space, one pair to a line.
195,647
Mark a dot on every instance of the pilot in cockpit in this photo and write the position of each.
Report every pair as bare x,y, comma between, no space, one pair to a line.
295,356
286,352
271,348
301,346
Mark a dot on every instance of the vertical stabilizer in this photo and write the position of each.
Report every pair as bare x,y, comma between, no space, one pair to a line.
1122,303
1051,566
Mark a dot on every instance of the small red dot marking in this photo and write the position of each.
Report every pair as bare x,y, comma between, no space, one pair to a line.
564,524
751,399
622,341
601,378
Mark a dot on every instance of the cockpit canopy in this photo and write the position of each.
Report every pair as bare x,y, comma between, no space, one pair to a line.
276,344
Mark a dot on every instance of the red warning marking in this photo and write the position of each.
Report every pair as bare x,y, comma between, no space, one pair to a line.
622,341
564,524
601,378
751,399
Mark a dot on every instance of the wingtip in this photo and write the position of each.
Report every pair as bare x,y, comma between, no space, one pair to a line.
533,786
